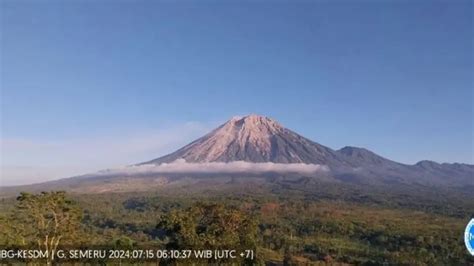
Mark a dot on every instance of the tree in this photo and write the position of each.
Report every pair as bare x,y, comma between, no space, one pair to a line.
209,226
50,218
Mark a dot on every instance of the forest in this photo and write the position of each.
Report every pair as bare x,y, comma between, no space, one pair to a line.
285,226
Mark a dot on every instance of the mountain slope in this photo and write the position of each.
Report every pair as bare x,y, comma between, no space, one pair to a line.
257,138
253,138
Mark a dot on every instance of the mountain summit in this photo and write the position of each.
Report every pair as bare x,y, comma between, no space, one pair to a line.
252,138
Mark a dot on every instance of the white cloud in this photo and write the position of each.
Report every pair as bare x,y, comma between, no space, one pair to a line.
181,166
22,174
25,161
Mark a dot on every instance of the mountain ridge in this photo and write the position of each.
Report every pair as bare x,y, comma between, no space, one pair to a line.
262,141
256,138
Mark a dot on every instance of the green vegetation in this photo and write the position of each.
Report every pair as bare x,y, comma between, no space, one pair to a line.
45,220
209,226
282,226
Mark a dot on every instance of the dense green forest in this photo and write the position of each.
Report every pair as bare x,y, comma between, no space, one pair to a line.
282,226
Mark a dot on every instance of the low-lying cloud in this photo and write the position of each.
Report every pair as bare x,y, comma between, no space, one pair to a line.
181,166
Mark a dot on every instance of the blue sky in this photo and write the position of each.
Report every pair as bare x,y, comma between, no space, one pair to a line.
83,82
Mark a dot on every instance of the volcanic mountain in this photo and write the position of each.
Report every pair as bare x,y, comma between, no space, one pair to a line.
259,147
252,138
257,139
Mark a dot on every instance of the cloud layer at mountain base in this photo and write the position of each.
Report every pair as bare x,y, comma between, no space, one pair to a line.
181,166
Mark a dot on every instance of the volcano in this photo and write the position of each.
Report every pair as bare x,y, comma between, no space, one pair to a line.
258,139
252,138
258,146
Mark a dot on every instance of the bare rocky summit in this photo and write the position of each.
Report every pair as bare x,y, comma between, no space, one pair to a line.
252,138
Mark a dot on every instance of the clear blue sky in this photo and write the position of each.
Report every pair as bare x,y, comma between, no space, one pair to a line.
392,76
